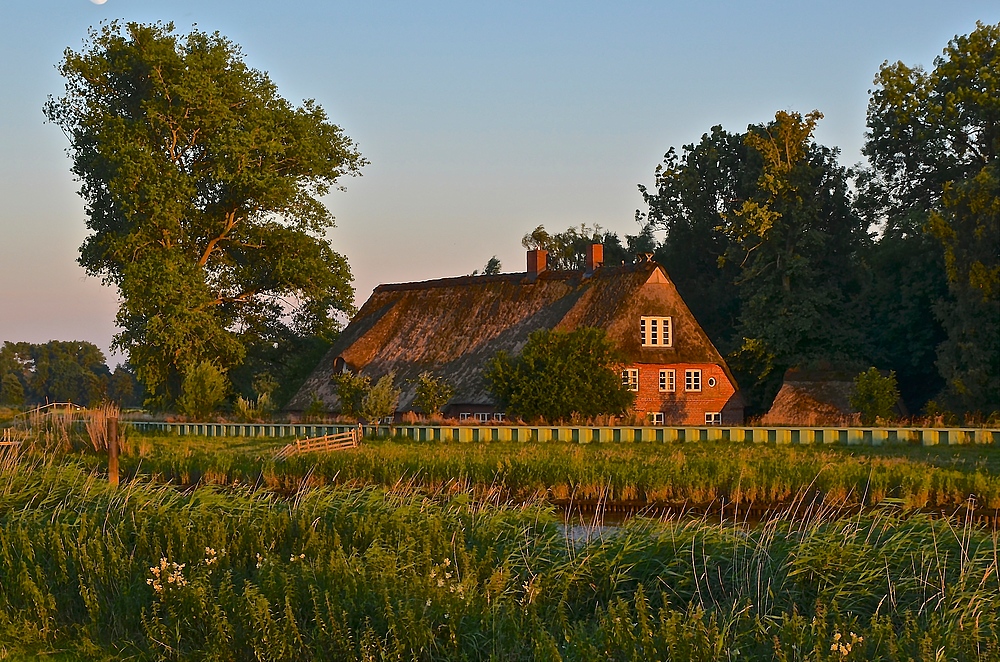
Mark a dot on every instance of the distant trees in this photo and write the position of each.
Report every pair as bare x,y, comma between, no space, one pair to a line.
558,375
361,399
203,190
60,371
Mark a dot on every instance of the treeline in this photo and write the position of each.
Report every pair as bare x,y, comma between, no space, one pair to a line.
789,259
63,371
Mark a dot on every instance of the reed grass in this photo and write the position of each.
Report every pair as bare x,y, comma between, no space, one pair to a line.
374,573
693,474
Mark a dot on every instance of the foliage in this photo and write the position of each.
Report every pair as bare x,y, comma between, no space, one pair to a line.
797,237
875,396
559,375
56,371
568,250
380,400
432,393
351,389
202,186
11,391
695,192
933,140
761,240
124,388
492,267
905,281
316,409
204,388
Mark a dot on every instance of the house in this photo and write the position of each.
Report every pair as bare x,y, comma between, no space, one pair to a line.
451,327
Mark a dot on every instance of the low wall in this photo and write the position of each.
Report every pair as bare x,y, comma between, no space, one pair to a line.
588,434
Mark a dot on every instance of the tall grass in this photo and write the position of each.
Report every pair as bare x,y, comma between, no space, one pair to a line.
150,572
693,474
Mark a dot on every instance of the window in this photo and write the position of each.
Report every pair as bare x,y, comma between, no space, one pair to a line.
656,417
498,416
668,380
464,416
712,382
482,418
692,380
630,379
713,418
656,331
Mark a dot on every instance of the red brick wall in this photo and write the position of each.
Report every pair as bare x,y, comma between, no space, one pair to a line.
685,407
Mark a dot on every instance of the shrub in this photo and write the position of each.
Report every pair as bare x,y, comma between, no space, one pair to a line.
433,393
560,374
874,395
316,409
351,389
203,390
381,399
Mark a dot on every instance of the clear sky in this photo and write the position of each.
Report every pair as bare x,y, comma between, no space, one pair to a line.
481,120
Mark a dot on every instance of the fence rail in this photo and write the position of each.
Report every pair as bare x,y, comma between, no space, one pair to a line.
324,444
593,434
11,437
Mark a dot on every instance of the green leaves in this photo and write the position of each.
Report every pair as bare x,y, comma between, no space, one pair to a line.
559,375
192,165
933,142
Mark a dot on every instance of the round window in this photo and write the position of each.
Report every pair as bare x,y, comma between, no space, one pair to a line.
711,382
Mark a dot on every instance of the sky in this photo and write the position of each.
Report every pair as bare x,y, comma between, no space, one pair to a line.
480,120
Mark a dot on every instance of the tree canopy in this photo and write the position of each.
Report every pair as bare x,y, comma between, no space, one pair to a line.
933,141
203,193
61,371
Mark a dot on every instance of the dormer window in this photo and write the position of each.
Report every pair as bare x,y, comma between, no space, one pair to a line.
656,331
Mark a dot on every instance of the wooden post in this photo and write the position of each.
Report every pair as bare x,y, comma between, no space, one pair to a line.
113,451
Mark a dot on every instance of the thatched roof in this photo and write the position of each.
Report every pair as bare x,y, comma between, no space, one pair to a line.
452,326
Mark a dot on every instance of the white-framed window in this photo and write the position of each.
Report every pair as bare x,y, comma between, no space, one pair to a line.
464,416
498,416
713,418
656,331
482,418
692,380
712,382
630,379
656,417
668,380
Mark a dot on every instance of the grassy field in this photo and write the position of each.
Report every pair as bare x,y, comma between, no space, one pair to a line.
390,552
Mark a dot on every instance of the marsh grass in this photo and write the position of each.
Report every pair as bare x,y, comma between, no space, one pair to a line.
376,573
687,474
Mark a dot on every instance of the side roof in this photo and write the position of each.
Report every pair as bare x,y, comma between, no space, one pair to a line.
452,326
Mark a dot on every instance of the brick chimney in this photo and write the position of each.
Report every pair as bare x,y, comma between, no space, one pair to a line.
595,257
537,262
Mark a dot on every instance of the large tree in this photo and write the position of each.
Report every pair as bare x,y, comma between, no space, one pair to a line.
761,240
203,193
933,141
694,193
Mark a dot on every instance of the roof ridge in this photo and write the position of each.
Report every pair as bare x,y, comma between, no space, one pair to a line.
516,277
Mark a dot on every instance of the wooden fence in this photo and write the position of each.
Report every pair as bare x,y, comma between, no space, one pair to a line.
324,444
11,437
591,434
